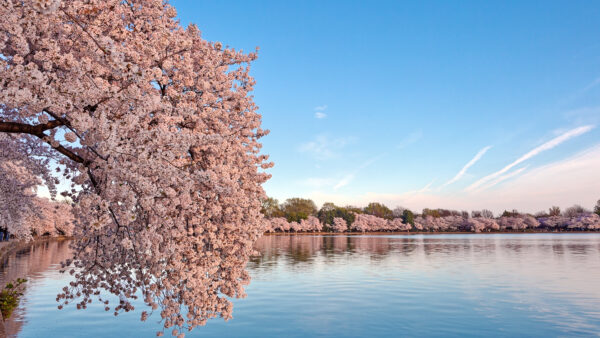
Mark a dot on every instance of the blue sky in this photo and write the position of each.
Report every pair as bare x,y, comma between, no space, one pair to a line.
389,101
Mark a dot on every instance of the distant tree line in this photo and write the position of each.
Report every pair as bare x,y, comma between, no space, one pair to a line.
302,215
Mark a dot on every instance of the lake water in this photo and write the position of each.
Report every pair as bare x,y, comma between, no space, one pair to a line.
363,286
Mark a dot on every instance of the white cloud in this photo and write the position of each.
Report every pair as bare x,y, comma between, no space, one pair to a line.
546,146
462,172
320,115
320,112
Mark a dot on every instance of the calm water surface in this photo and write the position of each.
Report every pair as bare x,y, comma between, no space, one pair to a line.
360,286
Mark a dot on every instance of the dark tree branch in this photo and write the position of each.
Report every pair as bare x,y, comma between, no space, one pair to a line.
22,128
38,131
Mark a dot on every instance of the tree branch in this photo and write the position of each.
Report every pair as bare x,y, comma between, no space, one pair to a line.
38,131
22,128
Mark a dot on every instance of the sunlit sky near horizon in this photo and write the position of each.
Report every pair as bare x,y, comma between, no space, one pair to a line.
462,105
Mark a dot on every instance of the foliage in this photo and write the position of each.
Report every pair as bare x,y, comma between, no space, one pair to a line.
10,296
379,210
297,209
440,213
597,208
270,208
408,217
330,211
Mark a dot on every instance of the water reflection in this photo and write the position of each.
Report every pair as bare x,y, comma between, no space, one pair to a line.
30,262
356,286
305,248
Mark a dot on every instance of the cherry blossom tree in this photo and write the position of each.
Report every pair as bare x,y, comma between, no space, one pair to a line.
520,222
448,223
277,224
365,222
51,218
156,128
22,169
339,224
480,224
311,224
554,222
396,224
584,221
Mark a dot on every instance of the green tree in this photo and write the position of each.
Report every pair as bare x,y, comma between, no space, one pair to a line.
431,212
326,214
270,208
379,210
297,209
354,209
408,217
597,208
329,211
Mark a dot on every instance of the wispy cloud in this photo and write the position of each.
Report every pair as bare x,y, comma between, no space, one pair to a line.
546,146
320,115
344,181
462,172
426,188
591,85
320,112
502,178
410,139
323,147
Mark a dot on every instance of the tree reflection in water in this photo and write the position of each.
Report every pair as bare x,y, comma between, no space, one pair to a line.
297,249
32,263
